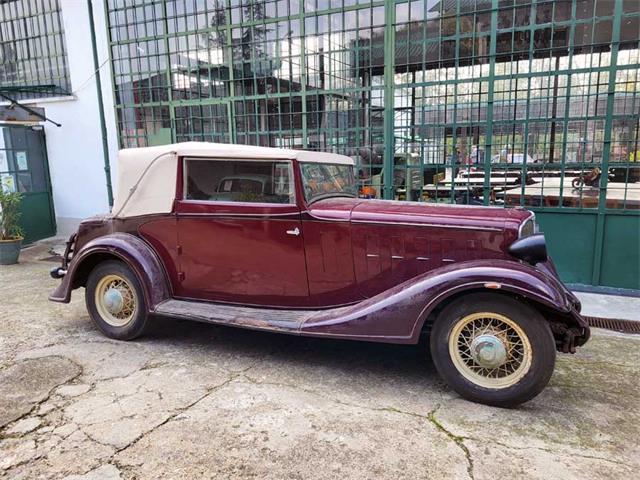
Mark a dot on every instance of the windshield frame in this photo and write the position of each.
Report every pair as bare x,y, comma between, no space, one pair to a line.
323,196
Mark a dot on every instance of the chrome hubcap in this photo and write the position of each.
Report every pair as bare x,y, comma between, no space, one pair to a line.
488,351
113,301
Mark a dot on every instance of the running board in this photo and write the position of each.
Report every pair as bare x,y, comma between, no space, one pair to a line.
233,315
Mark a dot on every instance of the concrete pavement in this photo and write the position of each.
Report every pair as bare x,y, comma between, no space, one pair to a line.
198,401
609,306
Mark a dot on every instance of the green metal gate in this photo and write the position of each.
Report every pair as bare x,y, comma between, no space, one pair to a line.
490,102
24,168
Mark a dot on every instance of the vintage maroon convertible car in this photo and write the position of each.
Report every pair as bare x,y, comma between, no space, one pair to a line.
277,240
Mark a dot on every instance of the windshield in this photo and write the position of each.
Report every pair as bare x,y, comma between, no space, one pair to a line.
322,180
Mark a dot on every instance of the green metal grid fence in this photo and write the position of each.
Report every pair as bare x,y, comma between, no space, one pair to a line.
491,102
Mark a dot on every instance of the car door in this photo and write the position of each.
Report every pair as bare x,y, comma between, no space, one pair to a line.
239,233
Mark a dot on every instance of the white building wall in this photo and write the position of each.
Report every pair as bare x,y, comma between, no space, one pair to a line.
75,153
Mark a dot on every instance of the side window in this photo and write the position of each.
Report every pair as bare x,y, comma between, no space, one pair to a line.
239,181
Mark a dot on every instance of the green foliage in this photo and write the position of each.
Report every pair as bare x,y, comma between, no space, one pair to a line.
10,215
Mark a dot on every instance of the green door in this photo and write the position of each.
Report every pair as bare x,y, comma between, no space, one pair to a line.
24,167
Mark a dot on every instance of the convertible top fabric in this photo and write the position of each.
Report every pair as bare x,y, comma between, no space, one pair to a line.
147,176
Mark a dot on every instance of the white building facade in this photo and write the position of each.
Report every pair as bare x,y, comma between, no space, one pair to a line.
74,150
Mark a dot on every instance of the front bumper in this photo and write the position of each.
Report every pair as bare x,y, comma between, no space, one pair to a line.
61,271
571,330
58,272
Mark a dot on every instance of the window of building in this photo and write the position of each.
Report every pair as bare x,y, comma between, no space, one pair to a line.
459,125
239,181
33,58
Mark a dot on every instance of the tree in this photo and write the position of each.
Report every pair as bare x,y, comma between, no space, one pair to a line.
218,21
254,36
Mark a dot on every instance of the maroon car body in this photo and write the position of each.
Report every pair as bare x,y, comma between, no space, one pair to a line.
340,267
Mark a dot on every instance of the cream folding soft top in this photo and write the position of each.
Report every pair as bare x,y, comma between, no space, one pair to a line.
147,176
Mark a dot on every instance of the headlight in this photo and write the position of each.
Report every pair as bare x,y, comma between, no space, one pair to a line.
531,249
528,227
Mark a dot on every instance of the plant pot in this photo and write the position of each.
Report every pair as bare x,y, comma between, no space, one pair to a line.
10,251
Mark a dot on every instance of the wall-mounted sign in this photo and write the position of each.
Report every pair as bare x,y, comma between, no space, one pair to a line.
4,164
21,161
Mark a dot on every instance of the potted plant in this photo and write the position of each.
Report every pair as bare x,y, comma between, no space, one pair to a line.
11,234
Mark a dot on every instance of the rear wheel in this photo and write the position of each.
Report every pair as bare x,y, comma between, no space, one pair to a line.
115,300
493,349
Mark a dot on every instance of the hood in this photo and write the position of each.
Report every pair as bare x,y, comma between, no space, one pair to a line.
388,211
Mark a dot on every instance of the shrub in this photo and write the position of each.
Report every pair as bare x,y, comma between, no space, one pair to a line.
10,215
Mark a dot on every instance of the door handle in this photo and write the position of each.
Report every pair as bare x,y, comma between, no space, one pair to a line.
295,231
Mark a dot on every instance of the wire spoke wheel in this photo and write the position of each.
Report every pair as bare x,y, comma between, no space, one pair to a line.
115,300
490,350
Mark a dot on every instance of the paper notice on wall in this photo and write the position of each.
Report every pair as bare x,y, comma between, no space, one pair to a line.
4,164
7,182
21,161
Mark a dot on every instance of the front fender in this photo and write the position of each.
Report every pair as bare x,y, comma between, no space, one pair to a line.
398,314
133,251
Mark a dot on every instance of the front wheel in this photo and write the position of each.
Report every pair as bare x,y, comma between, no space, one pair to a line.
493,349
115,300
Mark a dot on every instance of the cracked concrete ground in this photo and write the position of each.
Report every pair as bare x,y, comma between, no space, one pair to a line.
198,401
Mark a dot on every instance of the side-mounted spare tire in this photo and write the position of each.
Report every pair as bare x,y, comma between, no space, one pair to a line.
493,349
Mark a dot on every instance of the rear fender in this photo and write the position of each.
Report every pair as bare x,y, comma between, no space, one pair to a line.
133,251
398,314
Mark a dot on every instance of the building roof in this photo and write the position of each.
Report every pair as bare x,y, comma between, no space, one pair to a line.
147,176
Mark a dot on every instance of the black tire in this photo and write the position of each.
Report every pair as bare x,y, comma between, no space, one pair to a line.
529,320
136,325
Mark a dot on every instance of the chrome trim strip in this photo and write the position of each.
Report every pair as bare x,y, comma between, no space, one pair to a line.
422,258
231,215
372,255
396,257
458,227
319,218
208,203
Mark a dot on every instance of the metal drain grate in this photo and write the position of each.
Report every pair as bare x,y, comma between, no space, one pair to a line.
617,324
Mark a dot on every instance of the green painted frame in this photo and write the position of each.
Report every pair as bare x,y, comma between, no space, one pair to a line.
35,33
373,112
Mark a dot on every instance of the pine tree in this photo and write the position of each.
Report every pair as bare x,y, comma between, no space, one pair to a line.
253,37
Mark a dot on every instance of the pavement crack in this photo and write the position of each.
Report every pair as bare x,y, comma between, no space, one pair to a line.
457,439
21,463
590,388
553,451
590,363
595,457
175,414
46,397
153,364
332,399
95,440
316,393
